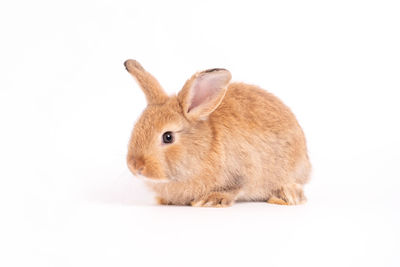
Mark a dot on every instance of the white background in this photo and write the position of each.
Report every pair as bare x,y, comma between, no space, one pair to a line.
67,107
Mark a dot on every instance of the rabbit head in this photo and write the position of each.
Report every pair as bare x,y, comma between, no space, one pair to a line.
172,136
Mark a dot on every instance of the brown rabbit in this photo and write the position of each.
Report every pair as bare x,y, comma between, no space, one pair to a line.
217,142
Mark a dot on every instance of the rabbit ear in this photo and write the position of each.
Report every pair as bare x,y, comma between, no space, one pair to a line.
150,86
203,93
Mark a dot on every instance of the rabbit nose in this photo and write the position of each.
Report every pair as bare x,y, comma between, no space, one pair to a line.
139,170
138,165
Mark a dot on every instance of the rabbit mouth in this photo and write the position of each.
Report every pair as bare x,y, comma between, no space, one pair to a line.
152,180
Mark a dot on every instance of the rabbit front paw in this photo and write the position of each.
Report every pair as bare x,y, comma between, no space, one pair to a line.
215,199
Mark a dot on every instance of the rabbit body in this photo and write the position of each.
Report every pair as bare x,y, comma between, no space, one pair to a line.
231,142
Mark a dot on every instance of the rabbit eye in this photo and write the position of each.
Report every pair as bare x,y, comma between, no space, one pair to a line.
168,138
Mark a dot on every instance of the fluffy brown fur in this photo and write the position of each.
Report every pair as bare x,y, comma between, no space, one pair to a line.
232,141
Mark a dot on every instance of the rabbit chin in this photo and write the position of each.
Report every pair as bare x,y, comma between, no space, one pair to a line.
151,180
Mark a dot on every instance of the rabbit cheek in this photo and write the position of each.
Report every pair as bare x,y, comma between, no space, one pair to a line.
173,156
153,171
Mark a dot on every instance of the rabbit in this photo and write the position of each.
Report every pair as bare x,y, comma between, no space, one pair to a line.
217,142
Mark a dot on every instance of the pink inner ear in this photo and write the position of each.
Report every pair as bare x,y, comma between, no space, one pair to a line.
205,87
